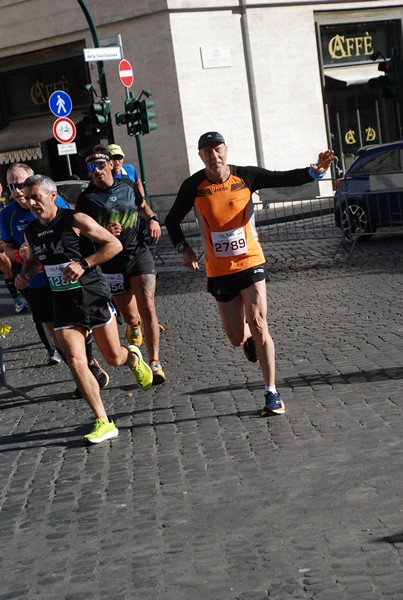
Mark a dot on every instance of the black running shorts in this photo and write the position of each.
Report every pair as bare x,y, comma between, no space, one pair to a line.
117,272
226,287
40,302
98,314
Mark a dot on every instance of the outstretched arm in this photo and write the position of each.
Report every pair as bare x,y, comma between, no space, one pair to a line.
324,161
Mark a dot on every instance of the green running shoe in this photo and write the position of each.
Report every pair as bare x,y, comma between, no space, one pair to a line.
142,371
102,430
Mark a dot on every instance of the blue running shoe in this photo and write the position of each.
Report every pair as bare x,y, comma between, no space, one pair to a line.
274,405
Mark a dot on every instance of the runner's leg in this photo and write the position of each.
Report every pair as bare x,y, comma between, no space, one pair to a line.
232,315
127,305
143,288
254,299
72,344
108,342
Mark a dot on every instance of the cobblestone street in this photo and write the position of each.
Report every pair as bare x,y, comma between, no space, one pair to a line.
199,497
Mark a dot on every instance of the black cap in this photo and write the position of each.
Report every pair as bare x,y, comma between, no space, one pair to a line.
211,137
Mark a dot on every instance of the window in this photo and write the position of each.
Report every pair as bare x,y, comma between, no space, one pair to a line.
385,162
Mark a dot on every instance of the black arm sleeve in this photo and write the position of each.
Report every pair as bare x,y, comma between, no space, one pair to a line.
257,178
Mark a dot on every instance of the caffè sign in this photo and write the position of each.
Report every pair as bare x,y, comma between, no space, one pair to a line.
355,42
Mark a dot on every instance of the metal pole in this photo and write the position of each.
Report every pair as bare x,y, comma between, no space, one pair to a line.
69,164
3,381
251,84
100,64
141,163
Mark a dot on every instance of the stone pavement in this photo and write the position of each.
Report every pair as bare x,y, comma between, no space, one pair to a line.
199,497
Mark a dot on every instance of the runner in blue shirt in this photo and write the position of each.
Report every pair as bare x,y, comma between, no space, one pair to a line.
13,221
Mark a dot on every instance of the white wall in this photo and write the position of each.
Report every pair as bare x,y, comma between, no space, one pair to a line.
162,40
291,115
288,86
212,99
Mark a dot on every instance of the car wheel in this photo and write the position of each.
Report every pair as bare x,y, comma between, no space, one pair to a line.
355,220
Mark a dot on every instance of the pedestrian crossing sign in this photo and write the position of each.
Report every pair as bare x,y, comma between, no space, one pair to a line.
60,103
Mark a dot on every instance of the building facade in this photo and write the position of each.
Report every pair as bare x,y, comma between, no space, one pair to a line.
281,80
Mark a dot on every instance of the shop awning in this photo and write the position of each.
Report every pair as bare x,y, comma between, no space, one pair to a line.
21,140
356,75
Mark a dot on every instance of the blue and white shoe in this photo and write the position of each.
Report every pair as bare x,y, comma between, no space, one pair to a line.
274,405
20,304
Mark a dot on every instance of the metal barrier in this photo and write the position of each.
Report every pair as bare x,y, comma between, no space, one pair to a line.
345,217
284,220
276,220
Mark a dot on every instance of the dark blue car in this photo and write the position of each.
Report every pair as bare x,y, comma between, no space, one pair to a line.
370,195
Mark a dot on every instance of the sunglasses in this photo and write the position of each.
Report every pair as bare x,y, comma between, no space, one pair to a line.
100,164
15,186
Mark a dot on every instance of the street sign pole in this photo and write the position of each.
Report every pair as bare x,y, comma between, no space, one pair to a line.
124,63
141,162
100,64
61,105
69,165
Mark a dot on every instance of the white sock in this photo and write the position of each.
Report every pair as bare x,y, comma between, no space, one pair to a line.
270,388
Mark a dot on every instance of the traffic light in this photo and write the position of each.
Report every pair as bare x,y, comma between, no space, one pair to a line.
131,117
99,118
137,116
121,118
146,115
391,83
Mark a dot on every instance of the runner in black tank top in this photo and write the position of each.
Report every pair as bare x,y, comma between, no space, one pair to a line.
71,246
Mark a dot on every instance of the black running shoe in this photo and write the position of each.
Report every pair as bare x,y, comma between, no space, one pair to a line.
249,349
100,375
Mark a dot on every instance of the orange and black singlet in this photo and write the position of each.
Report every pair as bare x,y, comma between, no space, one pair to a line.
225,215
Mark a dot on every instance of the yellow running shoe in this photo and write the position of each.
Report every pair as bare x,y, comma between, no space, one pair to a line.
134,335
4,329
142,371
158,373
102,430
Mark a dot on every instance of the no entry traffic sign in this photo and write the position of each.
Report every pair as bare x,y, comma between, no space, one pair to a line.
126,73
64,130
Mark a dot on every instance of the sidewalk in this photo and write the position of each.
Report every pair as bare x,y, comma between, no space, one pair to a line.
199,498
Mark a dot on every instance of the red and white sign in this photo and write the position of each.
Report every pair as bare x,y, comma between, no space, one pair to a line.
64,130
126,73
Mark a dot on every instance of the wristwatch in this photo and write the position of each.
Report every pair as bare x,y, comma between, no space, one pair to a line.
154,218
84,264
181,246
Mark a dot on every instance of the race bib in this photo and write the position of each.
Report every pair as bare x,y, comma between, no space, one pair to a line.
229,243
54,274
116,282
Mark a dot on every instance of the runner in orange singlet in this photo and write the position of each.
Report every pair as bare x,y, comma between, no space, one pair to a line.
221,195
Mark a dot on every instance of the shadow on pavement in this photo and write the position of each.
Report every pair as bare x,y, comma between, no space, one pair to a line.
397,538
311,379
25,440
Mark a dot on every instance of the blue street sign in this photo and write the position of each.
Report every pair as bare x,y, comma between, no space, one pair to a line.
60,103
